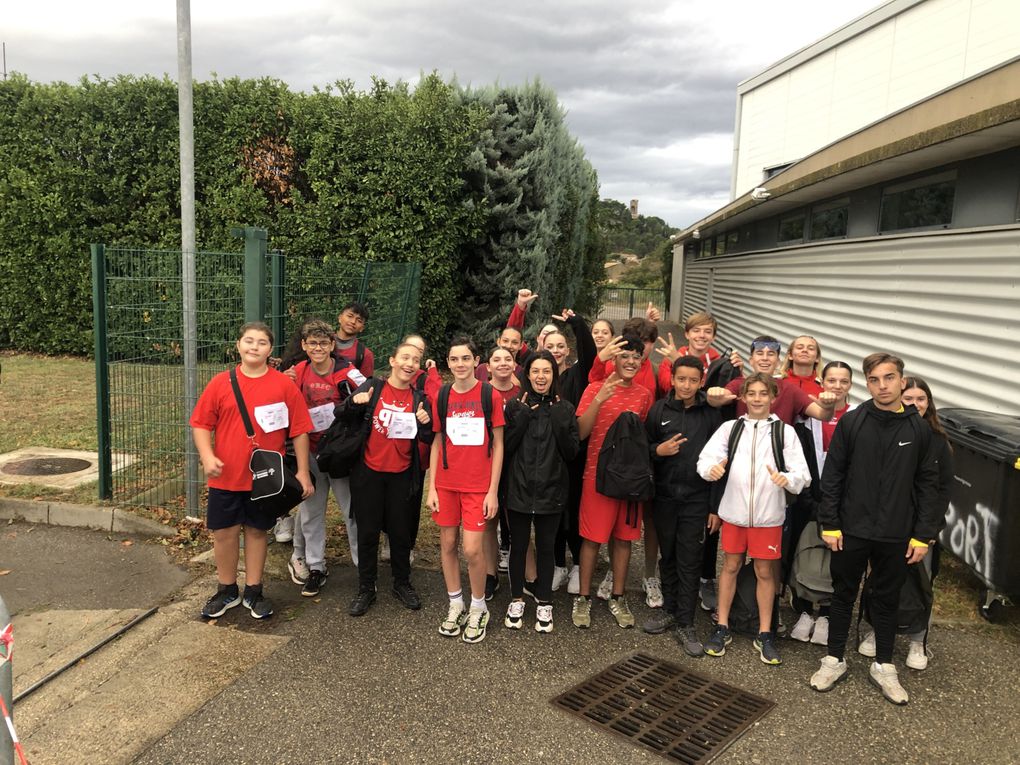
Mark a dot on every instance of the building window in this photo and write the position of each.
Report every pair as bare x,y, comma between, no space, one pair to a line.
828,221
731,240
791,229
772,172
720,245
706,247
921,203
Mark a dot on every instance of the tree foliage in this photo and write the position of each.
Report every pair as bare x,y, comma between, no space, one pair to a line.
486,189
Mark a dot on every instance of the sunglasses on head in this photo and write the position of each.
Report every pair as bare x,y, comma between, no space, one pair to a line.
769,345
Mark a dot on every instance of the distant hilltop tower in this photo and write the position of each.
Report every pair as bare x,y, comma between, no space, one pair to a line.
633,209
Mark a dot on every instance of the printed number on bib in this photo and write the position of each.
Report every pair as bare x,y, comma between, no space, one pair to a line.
272,417
322,417
466,431
403,425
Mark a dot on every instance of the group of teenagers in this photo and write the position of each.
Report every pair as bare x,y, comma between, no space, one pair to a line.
510,457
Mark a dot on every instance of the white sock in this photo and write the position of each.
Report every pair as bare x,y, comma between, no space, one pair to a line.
457,597
479,603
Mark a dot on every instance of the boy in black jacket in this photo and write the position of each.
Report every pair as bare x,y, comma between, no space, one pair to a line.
880,505
678,428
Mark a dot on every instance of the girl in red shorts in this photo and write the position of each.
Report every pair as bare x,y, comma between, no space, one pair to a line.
753,506
464,470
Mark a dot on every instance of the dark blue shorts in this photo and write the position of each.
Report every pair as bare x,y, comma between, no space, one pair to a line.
234,508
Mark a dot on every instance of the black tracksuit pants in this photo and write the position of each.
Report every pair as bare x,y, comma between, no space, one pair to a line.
569,534
384,502
888,570
546,526
681,528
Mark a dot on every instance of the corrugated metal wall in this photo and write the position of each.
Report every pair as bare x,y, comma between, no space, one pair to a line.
947,302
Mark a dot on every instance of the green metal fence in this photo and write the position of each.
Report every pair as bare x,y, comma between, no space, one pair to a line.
138,320
618,303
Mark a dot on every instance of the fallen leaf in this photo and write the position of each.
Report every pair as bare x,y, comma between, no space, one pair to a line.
127,543
211,622
4,571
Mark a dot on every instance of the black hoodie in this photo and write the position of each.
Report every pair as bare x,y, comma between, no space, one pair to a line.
676,476
881,477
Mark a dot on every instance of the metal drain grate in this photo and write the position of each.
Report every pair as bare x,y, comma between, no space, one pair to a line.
680,715
46,466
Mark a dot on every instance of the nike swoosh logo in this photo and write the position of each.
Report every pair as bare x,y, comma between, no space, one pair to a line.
665,423
904,443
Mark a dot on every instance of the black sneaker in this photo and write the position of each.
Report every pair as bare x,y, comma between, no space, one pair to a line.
718,640
529,589
314,583
405,593
226,597
361,603
660,621
491,586
259,606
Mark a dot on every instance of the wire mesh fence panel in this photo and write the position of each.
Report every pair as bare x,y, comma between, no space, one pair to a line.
622,303
148,421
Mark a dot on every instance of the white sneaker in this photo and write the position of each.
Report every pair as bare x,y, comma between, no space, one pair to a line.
802,629
504,561
574,580
606,588
559,577
831,672
384,548
885,678
543,618
821,634
298,570
917,657
514,615
456,618
653,592
867,646
283,531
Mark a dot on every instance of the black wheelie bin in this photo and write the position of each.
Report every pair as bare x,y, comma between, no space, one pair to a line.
983,520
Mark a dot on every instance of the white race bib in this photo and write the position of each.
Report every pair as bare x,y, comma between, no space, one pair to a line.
322,417
357,377
466,431
272,417
403,425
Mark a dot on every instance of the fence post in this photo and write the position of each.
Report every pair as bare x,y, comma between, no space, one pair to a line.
254,271
630,311
6,682
99,328
277,280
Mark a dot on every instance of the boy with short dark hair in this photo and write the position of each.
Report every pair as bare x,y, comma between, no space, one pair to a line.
753,505
351,323
679,426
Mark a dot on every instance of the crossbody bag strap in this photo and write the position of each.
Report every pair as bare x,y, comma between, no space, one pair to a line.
248,428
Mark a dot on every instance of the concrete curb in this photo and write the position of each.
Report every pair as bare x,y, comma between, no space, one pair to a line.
111,519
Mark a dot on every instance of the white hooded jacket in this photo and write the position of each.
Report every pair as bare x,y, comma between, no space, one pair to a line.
750,498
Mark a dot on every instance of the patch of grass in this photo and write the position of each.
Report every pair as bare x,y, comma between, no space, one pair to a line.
47,401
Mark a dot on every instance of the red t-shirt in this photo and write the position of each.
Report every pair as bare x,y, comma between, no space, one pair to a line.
829,427
469,467
513,392
367,367
788,406
666,367
645,376
634,398
216,410
382,453
807,383
321,390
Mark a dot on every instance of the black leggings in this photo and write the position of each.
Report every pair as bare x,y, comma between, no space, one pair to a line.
569,534
383,502
520,538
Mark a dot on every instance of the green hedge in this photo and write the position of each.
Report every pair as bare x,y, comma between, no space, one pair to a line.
487,190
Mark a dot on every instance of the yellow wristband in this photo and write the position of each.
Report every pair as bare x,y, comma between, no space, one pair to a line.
918,543
833,533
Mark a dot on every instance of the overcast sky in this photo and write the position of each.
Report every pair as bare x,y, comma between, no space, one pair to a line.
649,87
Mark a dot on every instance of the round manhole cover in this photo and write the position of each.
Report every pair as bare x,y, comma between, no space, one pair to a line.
45,466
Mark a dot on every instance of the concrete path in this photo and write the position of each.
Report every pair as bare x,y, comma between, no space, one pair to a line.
313,685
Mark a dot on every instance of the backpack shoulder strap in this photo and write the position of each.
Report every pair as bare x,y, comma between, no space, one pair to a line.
442,404
359,353
731,443
779,444
487,411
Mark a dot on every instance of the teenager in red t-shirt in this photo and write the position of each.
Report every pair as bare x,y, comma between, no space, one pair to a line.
801,365
502,369
603,518
324,381
385,482
276,410
464,478
350,323
699,329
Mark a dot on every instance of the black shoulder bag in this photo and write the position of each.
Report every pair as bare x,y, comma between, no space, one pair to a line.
275,489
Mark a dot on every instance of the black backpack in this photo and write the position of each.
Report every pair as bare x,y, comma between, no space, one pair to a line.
744,609
624,469
443,404
343,442
916,599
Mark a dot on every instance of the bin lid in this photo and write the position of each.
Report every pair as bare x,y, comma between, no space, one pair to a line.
991,434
